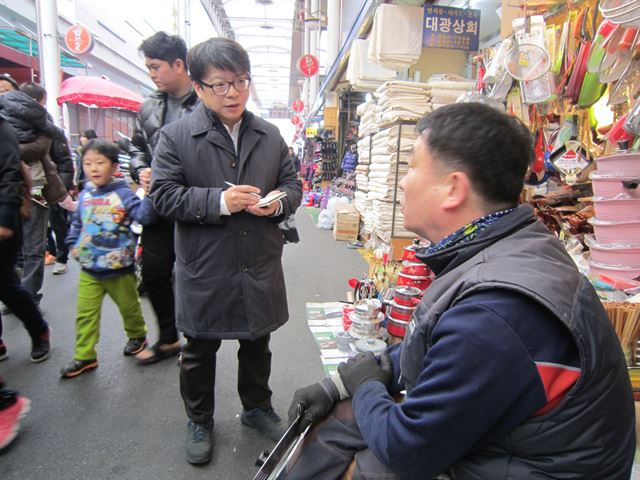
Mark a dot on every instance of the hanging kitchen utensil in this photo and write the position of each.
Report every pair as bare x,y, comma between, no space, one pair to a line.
605,30
611,54
632,124
572,158
627,87
496,69
529,61
623,57
560,54
591,89
572,92
500,89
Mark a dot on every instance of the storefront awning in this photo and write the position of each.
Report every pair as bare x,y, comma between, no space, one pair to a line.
28,46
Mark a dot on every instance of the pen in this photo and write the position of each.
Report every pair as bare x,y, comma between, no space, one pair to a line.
252,193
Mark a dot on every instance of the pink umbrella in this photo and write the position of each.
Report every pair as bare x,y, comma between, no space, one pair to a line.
98,92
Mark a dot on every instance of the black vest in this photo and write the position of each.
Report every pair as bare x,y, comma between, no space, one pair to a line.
591,433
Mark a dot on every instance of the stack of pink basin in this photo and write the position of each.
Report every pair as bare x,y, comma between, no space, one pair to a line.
615,247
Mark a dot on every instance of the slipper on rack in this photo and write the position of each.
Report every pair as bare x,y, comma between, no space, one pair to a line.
158,353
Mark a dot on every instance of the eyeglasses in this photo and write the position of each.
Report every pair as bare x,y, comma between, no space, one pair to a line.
222,88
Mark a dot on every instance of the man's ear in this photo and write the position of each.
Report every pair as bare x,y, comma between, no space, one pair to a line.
198,88
178,64
458,190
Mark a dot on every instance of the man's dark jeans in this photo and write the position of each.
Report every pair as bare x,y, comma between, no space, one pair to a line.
158,257
20,302
58,221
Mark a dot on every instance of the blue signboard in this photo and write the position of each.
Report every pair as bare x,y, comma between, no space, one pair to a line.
448,27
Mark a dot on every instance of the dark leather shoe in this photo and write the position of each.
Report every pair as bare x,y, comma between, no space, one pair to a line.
199,442
266,422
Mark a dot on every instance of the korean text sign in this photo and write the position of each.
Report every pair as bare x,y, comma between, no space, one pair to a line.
454,28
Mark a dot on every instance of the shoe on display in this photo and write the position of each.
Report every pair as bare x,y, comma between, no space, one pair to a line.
266,422
41,347
77,367
49,259
135,345
3,351
60,268
199,444
10,419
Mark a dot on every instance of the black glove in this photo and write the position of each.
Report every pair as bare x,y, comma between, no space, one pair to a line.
364,367
316,401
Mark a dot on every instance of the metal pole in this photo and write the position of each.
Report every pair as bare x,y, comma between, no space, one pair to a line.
313,49
49,53
305,50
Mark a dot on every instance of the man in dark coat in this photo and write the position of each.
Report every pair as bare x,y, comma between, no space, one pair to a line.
211,169
166,58
511,367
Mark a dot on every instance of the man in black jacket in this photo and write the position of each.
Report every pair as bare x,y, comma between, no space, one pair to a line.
166,58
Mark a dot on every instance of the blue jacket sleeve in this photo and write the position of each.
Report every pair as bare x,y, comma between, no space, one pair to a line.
142,211
478,382
76,224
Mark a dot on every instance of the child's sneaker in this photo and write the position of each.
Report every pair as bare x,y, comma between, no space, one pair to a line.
41,347
3,351
60,268
10,419
77,367
135,345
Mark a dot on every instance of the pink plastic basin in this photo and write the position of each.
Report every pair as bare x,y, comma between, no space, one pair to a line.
629,273
617,209
611,232
623,163
614,253
605,185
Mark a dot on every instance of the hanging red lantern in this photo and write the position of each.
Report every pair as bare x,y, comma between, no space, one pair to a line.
295,120
297,106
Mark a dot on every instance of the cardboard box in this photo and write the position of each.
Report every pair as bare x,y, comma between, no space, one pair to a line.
347,223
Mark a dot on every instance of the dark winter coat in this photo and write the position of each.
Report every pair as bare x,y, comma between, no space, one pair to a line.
147,129
10,192
229,278
26,116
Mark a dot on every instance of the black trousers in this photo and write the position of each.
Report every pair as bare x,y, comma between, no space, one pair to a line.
198,376
58,222
158,257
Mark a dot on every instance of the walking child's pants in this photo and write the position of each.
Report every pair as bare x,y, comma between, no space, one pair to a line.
91,291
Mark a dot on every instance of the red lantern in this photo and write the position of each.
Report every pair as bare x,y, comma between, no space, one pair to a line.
295,120
297,106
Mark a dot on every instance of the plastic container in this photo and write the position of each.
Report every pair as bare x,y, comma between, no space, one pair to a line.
629,273
614,184
612,232
623,254
622,163
617,209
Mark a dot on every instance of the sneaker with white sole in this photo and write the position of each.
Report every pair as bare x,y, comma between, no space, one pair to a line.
41,347
10,419
60,268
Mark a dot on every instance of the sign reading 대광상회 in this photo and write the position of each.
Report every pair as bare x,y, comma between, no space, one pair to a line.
448,27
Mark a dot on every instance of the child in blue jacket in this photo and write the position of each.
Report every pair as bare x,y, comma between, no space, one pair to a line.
101,240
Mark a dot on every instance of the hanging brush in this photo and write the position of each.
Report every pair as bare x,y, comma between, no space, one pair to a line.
625,318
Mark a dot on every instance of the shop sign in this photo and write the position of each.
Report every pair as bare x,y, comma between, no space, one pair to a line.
311,132
295,120
298,106
448,27
78,39
308,65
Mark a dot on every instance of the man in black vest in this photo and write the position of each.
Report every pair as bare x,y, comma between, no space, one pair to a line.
510,364
166,58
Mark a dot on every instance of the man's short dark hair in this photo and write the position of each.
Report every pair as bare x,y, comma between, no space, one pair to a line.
89,134
8,78
164,47
35,91
494,149
220,53
104,147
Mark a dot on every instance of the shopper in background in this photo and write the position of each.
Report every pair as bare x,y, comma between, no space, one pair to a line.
229,278
166,58
85,136
13,192
103,244
510,364
60,153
